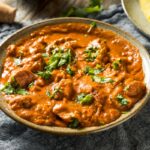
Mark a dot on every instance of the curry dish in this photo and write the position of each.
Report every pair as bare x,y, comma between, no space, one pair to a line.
72,75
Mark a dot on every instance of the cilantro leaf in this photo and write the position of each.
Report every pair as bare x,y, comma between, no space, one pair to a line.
85,99
92,25
21,91
59,59
69,70
102,79
45,55
126,88
95,2
56,92
74,123
48,93
91,53
92,9
122,100
31,84
91,71
93,6
116,64
10,89
44,74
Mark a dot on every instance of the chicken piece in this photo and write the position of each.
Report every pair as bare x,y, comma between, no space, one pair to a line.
136,89
84,85
109,115
66,111
24,78
62,89
11,50
21,102
71,44
58,75
67,87
34,63
57,43
103,56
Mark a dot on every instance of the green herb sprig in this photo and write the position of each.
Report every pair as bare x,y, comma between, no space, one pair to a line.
102,79
44,74
93,7
9,89
85,99
93,71
69,70
91,53
74,123
116,64
56,91
56,60
122,100
92,26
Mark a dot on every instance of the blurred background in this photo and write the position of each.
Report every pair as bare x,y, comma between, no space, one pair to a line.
35,10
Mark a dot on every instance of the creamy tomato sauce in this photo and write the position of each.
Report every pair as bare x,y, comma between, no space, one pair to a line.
72,75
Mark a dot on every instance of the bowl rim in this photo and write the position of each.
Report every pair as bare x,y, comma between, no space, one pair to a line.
68,131
136,23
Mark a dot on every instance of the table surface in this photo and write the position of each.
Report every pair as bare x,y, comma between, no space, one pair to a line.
30,11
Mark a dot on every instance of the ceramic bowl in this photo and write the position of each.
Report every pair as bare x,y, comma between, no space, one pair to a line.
68,131
133,11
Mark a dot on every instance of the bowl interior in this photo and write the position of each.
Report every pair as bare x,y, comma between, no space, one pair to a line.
133,10
59,130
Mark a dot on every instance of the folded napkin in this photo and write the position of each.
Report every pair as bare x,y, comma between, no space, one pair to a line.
131,135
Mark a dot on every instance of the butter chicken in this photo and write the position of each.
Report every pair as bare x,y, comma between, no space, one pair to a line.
72,75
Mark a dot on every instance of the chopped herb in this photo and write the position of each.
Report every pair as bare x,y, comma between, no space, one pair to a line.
17,61
95,2
91,71
85,99
91,53
102,79
98,66
21,91
116,64
126,88
93,7
44,74
122,100
74,123
69,70
48,93
56,91
31,84
45,55
92,26
75,11
59,59
9,88
52,65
